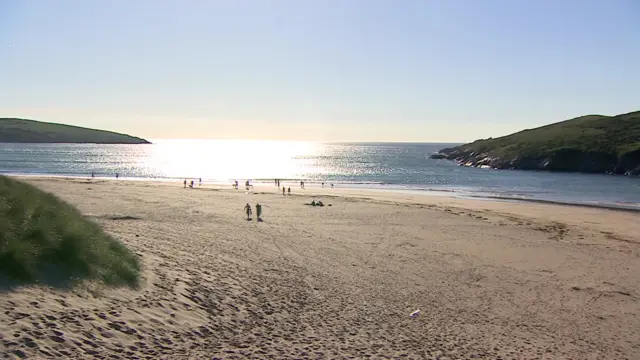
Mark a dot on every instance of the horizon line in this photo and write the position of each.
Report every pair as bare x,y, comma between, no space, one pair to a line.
312,141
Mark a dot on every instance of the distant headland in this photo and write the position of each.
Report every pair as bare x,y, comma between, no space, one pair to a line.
30,131
589,144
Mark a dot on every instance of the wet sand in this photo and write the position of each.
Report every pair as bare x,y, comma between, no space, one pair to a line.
491,279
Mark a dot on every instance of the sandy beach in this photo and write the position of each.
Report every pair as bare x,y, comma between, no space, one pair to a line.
492,280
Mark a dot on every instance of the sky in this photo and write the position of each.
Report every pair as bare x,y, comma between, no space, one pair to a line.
324,70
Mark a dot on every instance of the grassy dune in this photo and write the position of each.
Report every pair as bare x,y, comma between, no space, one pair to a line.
45,240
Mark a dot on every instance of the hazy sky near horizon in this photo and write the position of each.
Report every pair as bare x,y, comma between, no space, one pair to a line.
332,70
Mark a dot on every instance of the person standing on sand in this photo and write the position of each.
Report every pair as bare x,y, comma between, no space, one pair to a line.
185,183
200,184
93,175
258,211
289,190
247,209
283,191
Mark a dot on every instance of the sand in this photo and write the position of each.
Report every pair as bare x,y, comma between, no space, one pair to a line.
491,279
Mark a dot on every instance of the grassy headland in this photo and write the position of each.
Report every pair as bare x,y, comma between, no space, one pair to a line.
31,131
45,240
592,143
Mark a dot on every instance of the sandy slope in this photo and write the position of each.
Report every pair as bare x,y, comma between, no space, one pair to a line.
492,280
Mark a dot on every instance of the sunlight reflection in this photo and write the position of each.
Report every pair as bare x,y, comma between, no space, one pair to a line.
224,160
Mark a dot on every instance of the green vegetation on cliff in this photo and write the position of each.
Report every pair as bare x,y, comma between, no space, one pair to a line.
45,240
593,143
31,131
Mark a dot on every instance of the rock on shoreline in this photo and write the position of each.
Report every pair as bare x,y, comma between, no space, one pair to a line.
565,160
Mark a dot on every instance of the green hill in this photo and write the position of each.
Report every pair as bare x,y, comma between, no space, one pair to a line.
592,143
45,240
31,131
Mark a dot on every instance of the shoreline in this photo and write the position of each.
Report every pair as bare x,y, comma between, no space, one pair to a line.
400,189
603,206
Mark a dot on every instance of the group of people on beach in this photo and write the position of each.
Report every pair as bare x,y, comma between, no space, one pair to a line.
248,186
285,190
235,185
302,185
93,175
192,183
247,209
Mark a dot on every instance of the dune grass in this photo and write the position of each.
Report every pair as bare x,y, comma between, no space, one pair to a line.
45,240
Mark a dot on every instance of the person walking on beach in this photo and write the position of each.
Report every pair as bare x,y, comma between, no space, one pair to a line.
93,175
200,182
185,183
259,212
283,191
289,190
247,209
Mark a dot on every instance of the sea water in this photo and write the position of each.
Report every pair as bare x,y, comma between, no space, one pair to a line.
392,166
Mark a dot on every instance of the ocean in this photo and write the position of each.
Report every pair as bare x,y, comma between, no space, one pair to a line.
392,166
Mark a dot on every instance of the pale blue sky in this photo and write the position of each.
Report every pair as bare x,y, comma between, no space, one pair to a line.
331,70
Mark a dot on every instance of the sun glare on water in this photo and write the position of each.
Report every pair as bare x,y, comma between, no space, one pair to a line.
224,160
